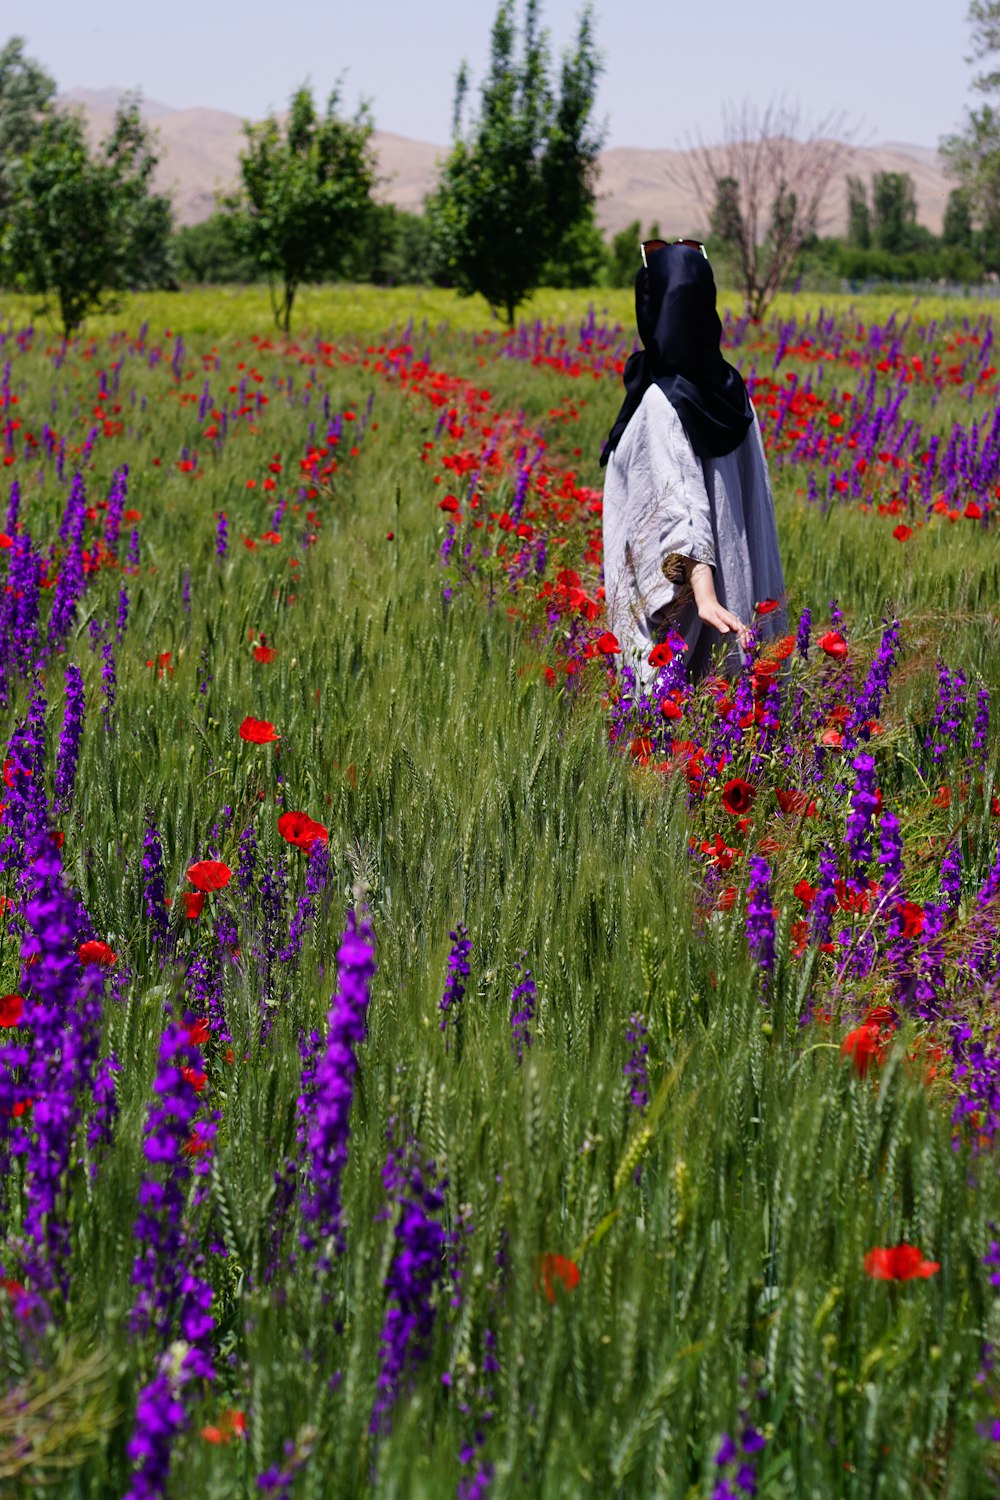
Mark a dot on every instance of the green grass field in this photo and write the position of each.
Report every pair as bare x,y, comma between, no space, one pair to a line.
719,1234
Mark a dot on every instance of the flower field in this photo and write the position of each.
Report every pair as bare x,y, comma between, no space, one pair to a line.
431,1063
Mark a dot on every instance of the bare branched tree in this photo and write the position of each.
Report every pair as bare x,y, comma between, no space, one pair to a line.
764,188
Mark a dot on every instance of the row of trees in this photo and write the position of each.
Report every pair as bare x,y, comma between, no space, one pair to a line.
513,209
514,206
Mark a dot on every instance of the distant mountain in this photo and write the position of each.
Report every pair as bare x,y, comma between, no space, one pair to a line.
200,149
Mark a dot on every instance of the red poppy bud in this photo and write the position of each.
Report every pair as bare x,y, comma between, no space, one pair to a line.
833,644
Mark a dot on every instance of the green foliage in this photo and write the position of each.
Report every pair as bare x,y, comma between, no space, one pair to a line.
26,94
85,225
458,786
894,212
394,248
956,230
516,192
305,194
210,252
859,217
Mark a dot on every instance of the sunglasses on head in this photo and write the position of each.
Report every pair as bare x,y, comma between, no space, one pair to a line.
652,245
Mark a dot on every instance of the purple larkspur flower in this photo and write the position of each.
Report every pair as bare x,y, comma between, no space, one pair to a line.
69,739
876,684
890,854
951,876
221,534
121,620
316,877
760,915
159,1418
116,508
109,683
635,1073
330,1103
864,806
154,894
458,973
175,1146
522,1011
63,1006
417,1267
825,901
803,633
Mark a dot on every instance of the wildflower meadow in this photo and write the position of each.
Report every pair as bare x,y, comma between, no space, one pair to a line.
432,1063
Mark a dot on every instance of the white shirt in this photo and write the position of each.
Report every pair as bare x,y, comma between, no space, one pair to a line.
663,504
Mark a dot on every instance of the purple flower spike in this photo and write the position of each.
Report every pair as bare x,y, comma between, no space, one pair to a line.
458,973
760,915
329,1104
522,1012
69,740
417,1267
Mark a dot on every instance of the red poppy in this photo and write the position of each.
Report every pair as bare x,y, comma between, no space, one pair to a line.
641,747
765,606
903,533
265,653
209,875
193,903
450,504
832,739
607,644
781,649
738,796
899,1263
195,1077
913,917
863,1048
299,829
833,644
973,512
198,1032
671,710
804,892
558,1268
230,1422
942,797
195,1145
11,1008
795,801
96,952
258,731
661,655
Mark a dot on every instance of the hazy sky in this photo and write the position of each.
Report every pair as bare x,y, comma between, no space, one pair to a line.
899,67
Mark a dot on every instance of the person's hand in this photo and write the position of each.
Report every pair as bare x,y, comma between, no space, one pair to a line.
710,611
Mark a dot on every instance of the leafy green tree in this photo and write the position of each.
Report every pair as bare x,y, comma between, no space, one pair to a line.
859,218
394,248
624,254
973,153
894,212
956,230
726,219
26,94
210,252
305,194
82,225
517,189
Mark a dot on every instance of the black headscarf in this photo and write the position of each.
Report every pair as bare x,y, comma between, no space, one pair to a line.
681,334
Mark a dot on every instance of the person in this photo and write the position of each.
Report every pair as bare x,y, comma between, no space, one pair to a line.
690,542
